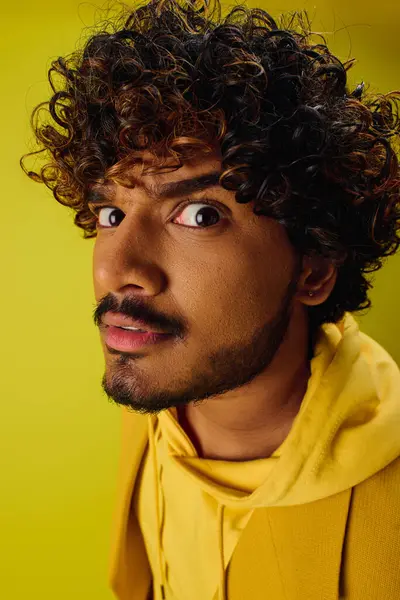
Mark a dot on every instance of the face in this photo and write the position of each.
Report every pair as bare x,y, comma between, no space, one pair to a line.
217,277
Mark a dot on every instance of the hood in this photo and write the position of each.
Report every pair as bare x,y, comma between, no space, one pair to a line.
347,429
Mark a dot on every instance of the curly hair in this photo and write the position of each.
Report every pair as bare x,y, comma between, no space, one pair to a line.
175,78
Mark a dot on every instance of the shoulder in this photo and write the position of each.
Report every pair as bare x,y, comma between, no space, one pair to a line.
383,486
372,547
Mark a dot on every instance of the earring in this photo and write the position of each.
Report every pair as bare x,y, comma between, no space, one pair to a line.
311,293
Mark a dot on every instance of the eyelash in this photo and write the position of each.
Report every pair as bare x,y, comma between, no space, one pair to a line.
180,209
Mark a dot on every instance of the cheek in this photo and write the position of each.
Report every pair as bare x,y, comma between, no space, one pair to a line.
235,295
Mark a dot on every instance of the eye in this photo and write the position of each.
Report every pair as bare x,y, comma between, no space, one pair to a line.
102,216
198,218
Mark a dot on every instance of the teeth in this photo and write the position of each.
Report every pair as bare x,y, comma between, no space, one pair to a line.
133,329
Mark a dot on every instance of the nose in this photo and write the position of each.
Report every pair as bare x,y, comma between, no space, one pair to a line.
124,258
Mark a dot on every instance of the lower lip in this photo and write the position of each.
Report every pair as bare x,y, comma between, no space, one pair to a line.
123,339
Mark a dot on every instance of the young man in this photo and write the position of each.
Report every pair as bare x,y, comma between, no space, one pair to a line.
260,449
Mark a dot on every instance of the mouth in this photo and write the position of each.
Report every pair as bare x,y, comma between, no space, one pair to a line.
136,329
120,321
125,340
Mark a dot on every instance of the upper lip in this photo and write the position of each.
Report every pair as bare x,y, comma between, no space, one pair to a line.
120,320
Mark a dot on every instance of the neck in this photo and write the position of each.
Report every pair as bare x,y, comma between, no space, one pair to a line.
253,422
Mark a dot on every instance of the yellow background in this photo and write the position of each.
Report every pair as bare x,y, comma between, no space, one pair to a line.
60,435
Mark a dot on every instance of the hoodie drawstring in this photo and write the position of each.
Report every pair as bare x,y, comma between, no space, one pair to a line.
220,524
157,499
220,533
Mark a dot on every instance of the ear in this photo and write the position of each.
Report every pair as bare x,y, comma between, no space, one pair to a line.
316,281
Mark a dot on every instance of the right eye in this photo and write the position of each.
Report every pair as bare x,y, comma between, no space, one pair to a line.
106,219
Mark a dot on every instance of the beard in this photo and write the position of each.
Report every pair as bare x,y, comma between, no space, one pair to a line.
221,371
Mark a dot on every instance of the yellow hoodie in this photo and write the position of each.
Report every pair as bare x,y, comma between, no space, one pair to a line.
190,514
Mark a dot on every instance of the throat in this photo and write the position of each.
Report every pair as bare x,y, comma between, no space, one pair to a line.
215,443
189,429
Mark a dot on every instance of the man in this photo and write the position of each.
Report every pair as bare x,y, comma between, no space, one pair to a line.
260,445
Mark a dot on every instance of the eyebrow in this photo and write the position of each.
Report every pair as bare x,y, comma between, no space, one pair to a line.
164,191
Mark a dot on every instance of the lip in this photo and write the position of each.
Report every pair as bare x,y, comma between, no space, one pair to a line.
120,320
124,340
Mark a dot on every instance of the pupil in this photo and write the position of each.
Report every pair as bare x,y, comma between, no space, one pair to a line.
204,218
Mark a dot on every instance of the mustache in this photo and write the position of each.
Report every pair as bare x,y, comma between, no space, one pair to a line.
133,308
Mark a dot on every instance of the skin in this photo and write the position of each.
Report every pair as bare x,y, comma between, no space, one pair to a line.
238,367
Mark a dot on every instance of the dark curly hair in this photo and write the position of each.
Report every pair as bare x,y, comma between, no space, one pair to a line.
175,78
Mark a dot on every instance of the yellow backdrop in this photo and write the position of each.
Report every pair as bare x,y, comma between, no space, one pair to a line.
60,435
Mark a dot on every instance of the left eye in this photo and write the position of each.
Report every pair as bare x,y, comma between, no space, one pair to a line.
206,217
